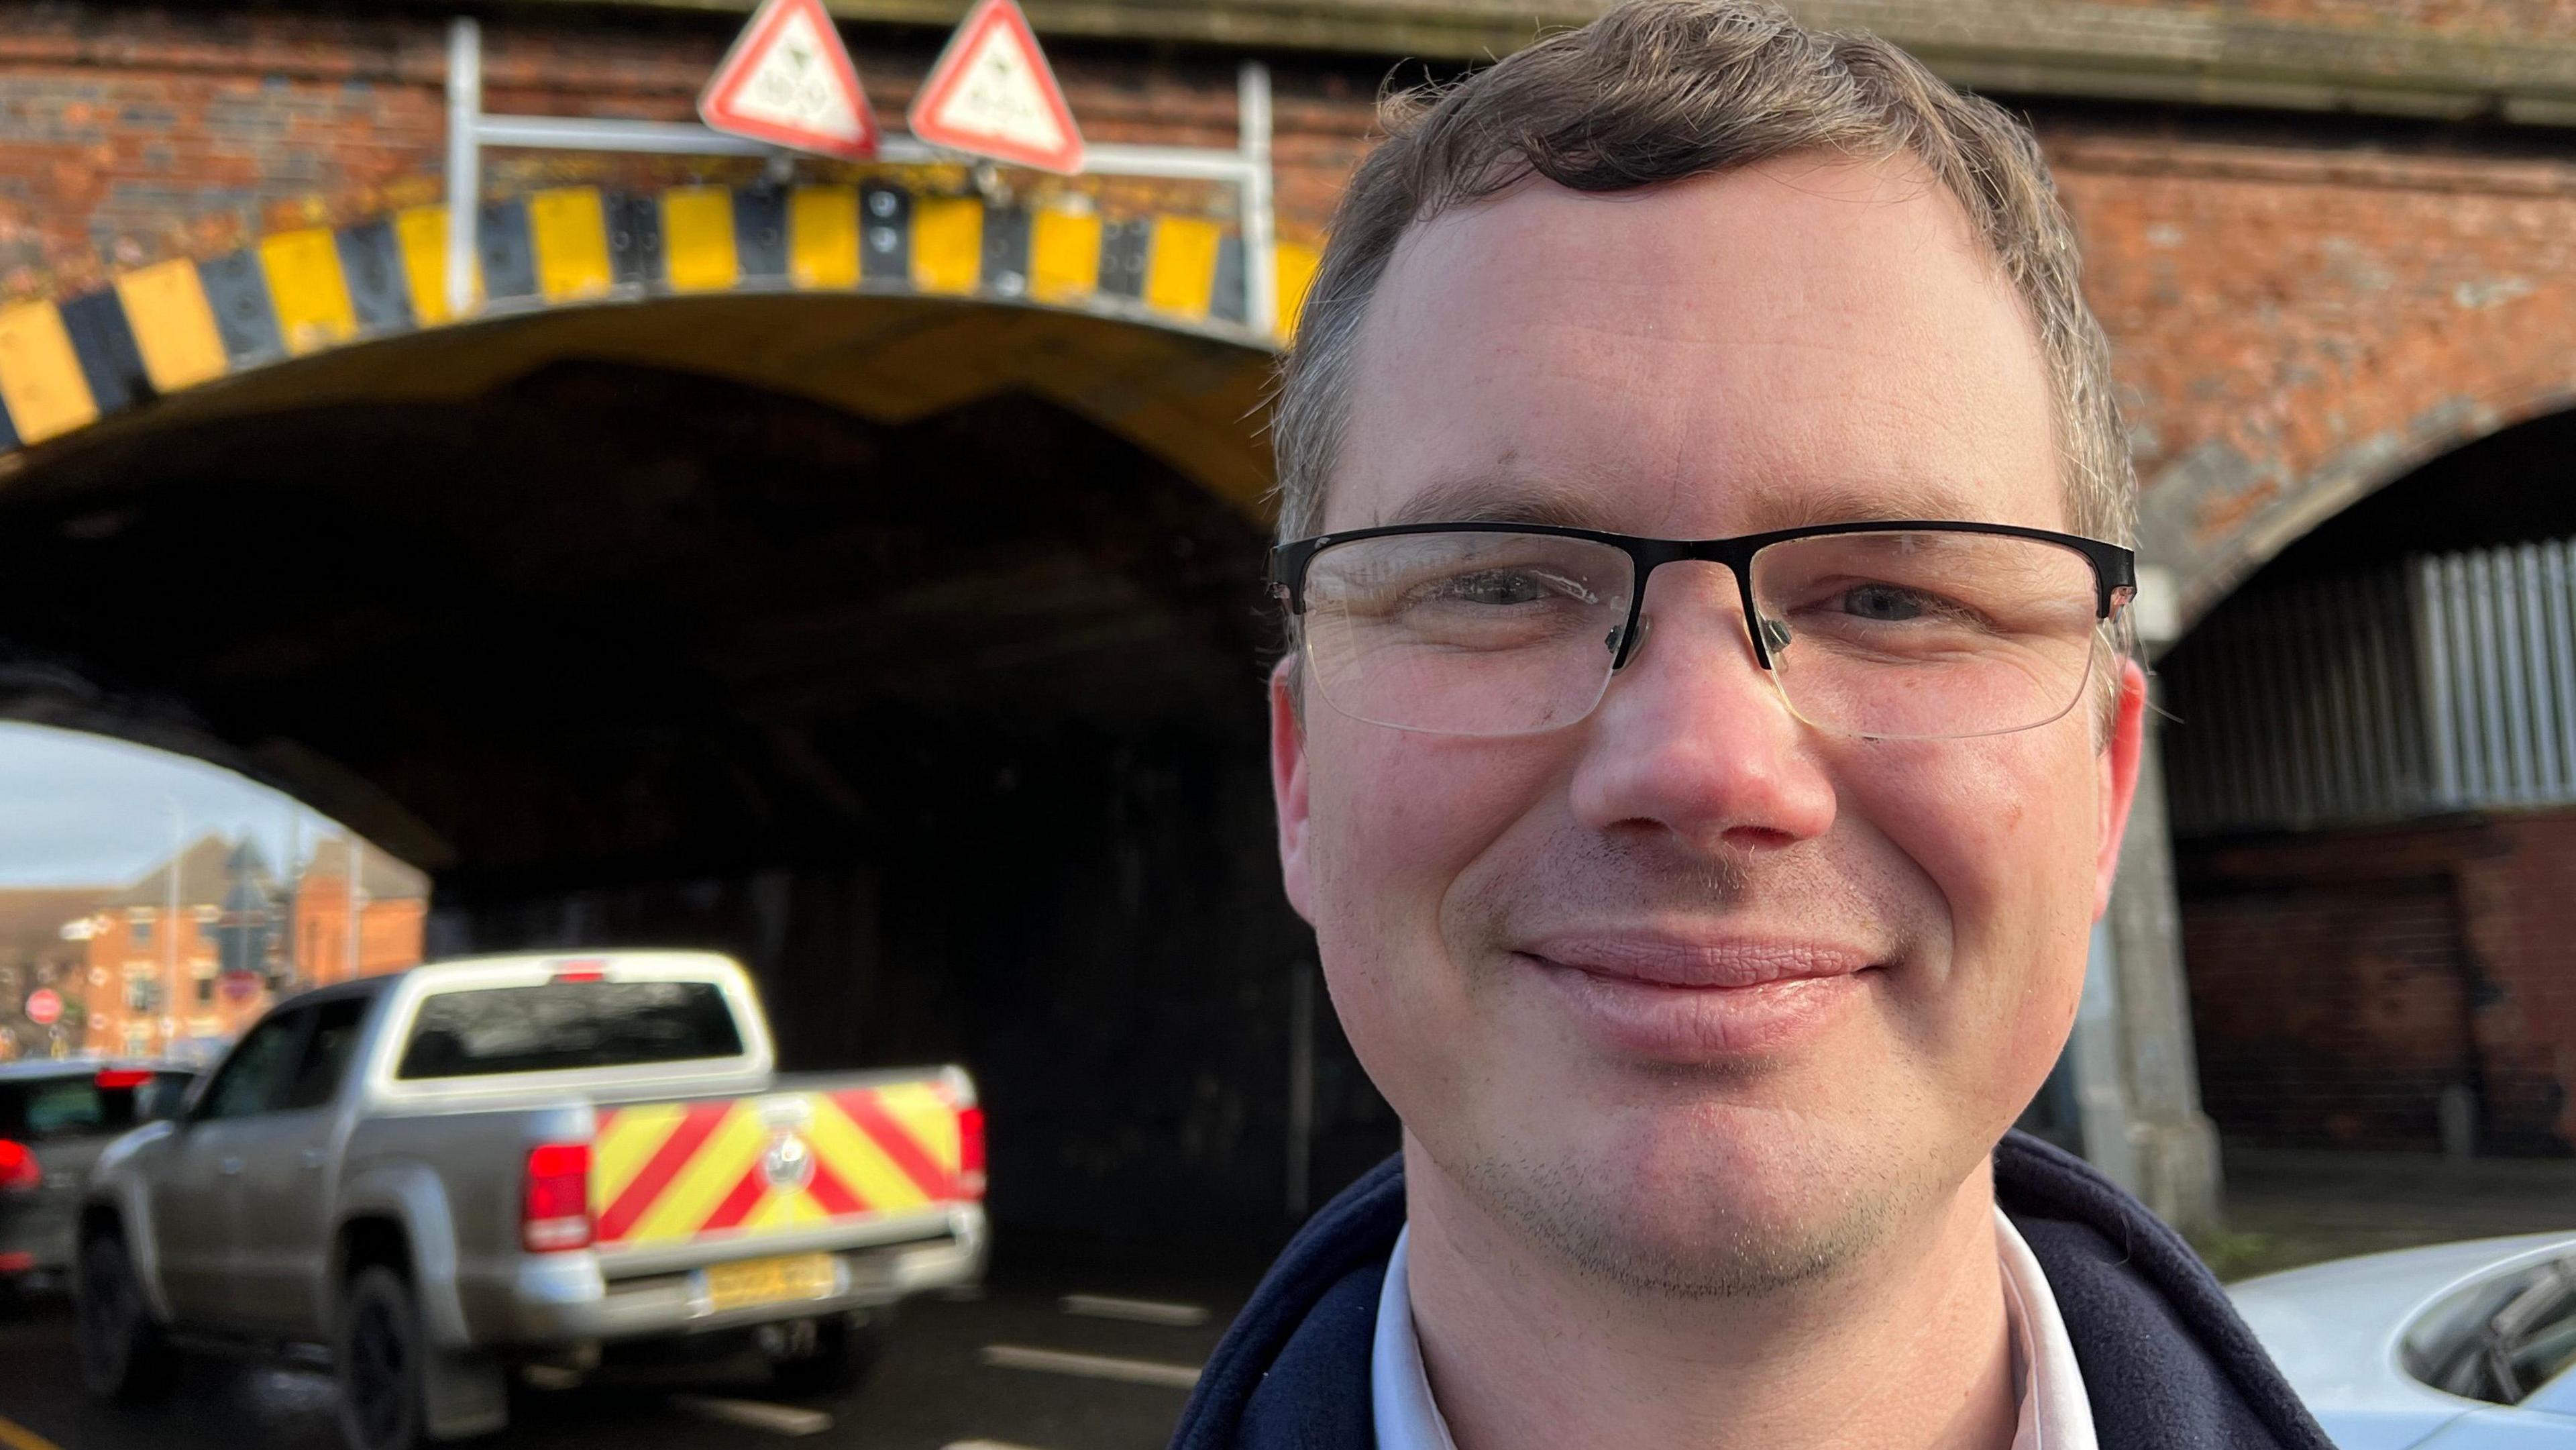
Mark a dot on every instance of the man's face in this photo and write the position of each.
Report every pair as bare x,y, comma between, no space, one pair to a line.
1809,341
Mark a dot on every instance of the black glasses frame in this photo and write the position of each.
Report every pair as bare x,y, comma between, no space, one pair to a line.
2114,568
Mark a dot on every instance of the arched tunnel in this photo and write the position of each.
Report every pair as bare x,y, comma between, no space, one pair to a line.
909,649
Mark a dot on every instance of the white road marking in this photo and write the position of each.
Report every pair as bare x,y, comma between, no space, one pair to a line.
758,1414
1093,1366
1141,1311
984,1445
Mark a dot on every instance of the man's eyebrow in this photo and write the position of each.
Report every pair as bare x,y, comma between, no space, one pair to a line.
1857,501
1502,497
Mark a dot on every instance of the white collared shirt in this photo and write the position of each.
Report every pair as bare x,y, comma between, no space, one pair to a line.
2055,1413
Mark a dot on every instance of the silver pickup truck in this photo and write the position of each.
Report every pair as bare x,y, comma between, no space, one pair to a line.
445,1176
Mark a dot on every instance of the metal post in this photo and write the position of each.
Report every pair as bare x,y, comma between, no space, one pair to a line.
170,932
290,916
464,159
357,903
1260,254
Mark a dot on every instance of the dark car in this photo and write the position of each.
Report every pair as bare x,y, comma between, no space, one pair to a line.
55,1116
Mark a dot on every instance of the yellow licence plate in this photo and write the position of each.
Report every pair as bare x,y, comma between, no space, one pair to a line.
769,1281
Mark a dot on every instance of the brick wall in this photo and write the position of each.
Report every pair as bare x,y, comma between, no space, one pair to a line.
2295,326
2480,19
2340,980
129,136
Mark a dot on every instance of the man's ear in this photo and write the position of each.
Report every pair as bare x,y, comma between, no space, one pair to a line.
2119,766
1288,784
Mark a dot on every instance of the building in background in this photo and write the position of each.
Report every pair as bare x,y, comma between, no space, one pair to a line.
192,952
36,955
392,908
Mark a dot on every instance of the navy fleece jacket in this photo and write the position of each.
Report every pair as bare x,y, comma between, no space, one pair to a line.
2167,1364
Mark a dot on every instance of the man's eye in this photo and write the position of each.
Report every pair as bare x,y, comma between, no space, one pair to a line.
1889,603
1503,587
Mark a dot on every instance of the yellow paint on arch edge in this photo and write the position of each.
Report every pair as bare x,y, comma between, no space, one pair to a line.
1064,255
173,324
568,228
697,239
823,236
421,233
19,1437
1295,271
1180,265
947,243
40,376
307,288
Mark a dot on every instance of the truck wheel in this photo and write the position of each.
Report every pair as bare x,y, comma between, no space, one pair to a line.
827,1356
376,1353
123,1355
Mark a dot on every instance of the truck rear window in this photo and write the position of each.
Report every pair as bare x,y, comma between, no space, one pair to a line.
558,1026
74,1105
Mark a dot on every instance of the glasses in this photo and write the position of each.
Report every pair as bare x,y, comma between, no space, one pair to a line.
1909,630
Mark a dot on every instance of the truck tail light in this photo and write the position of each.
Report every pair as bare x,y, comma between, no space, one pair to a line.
554,1214
19,1170
970,1151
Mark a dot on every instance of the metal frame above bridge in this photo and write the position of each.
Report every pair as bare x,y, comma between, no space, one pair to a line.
470,129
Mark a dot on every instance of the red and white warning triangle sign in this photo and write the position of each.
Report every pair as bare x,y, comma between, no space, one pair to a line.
788,80
991,94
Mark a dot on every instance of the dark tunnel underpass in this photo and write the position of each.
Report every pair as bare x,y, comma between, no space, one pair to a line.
950,727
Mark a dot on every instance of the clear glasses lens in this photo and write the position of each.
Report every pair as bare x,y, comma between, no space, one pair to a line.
1927,634
1466,633
1892,634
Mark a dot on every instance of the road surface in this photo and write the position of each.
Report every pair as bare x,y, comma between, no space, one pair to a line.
1021,1366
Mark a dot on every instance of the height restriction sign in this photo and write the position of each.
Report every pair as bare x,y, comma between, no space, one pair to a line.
788,80
992,94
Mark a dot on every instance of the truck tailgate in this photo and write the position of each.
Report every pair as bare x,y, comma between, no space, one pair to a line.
744,1168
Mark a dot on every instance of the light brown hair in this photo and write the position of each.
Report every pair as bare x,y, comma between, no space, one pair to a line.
1661,90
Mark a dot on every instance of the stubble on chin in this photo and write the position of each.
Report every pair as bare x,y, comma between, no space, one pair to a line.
1695,1243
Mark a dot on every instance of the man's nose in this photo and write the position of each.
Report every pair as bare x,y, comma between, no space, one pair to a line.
1694,738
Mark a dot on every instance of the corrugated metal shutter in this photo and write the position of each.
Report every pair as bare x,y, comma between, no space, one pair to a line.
2446,683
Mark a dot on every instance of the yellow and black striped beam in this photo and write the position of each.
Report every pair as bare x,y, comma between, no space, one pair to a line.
66,363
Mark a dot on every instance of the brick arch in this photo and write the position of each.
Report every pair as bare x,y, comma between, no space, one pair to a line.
69,362
2175,509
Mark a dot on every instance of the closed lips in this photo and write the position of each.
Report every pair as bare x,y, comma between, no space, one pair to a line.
1673,962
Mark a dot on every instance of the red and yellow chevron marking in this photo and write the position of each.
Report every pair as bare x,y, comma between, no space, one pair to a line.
665,1173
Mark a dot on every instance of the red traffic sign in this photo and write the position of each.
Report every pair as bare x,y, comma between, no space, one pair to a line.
44,1006
788,80
992,94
